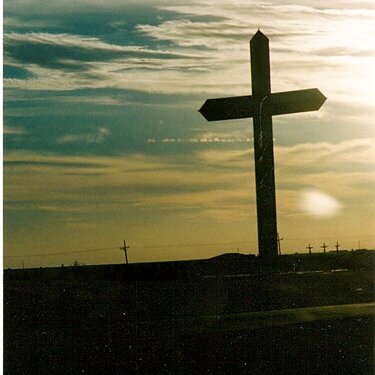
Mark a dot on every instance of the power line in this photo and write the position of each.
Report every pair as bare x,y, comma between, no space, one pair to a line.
61,253
143,247
334,237
195,244
135,246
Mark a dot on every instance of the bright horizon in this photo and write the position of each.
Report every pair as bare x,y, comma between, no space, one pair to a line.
103,140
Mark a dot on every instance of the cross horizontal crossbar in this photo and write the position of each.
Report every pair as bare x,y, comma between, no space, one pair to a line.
280,103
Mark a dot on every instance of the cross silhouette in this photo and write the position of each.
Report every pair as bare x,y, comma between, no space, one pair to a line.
337,247
261,106
324,246
309,247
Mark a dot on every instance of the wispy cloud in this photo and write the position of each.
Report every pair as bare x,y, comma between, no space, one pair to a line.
54,208
65,62
81,226
208,179
98,137
66,48
13,130
200,53
201,140
332,41
327,155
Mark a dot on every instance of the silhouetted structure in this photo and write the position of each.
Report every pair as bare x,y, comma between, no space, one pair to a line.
262,105
125,248
278,243
337,247
309,247
324,246
229,264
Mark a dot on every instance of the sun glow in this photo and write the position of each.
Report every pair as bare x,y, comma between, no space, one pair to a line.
319,204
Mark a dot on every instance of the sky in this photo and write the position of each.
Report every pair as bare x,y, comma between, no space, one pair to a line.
103,140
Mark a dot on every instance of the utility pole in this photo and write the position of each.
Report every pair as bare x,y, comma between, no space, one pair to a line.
309,247
278,243
337,247
324,248
125,248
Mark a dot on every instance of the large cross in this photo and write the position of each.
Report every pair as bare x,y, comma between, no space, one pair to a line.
261,106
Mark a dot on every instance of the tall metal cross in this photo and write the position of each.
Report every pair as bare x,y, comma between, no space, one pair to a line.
261,106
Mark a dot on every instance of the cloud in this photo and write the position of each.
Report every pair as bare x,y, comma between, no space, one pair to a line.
200,47
287,22
332,42
63,50
348,154
103,183
12,130
64,62
227,158
206,180
98,137
203,139
82,226
55,208
204,57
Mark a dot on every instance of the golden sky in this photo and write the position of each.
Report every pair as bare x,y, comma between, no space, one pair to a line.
103,140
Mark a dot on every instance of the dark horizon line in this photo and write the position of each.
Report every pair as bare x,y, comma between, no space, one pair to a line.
331,252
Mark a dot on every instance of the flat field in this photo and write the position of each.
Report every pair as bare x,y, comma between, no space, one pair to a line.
244,324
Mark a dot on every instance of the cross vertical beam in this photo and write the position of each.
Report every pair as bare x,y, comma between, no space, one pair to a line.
261,106
263,147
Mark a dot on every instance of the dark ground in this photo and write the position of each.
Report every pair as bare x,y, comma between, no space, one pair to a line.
161,326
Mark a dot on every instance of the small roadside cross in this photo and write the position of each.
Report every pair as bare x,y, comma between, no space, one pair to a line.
261,106
324,248
309,247
337,247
